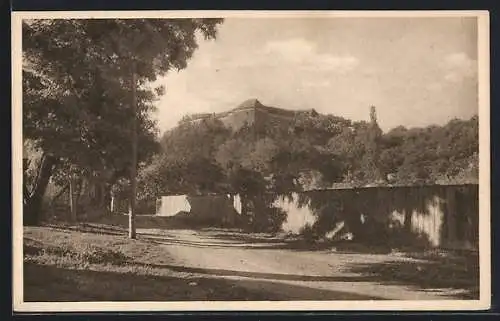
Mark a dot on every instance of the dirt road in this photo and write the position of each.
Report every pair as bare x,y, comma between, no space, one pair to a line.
263,263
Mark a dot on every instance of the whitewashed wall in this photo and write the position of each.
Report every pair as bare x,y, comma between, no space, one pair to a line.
171,205
297,217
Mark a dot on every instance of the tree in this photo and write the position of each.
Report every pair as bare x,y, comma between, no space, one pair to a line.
77,85
433,154
354,146
196,139
186,162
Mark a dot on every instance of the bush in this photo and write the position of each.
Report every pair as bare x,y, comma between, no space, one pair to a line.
309,234
97,255
270,220
277,217
146,206
87,254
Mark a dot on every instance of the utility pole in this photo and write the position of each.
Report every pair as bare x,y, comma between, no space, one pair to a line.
133,169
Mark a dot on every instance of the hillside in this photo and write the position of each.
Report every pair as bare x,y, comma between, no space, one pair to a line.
281,150
249,112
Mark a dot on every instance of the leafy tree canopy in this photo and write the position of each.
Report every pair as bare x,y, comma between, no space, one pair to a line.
77,87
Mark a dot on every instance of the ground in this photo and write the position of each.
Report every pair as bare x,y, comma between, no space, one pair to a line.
97,262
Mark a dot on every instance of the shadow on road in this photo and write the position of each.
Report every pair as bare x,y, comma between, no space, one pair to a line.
60,284
89,228
262,243
117,224
453,272
213,243
259,275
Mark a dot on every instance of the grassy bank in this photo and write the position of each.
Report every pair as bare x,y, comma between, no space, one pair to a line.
61,264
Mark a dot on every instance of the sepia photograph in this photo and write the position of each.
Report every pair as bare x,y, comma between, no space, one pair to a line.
251,160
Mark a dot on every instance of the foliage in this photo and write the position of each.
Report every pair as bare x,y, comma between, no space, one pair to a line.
77,87
33,157
186,162
310,151
77,82
435,153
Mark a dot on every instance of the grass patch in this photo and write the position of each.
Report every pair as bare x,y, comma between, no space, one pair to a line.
86,263
64,264
85,254
90,245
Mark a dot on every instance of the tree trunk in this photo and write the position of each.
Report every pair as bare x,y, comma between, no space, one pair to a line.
33,206
133,169
260,213
81,191
99,194
72,200
59,194
407,221
26,193
107,199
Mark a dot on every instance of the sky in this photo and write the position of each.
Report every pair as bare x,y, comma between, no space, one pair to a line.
415,71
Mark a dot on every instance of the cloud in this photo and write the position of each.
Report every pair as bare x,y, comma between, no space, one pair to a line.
458,67
338,70
292,50
316,83
300,54
435,86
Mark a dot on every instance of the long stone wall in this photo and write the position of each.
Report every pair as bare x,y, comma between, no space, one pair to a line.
442,216
439,215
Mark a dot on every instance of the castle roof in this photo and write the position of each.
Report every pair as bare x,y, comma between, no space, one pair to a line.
250,103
